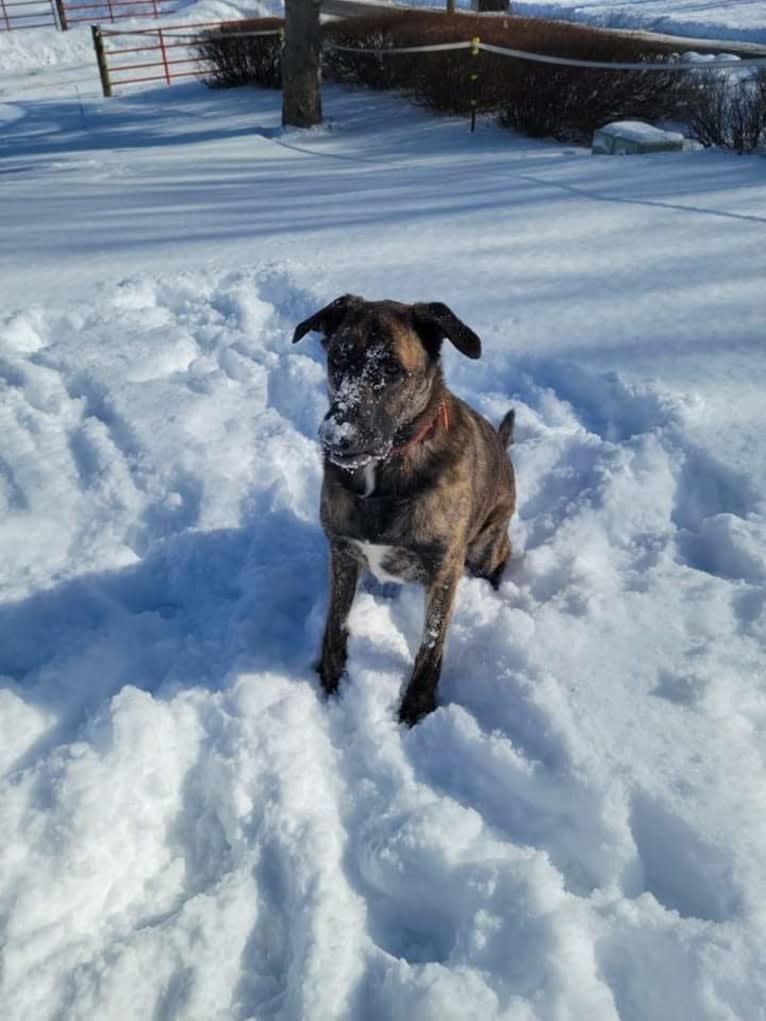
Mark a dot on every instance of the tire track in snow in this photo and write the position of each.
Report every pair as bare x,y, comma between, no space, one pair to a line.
311,933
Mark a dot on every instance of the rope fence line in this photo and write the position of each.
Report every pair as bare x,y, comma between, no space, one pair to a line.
160,40
193,39
543,58
381,50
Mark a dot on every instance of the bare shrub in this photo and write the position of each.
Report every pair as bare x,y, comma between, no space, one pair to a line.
539,100
727,110
233,54
570,103
374,69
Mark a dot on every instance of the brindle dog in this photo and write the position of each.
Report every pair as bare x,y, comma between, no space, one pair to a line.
417,485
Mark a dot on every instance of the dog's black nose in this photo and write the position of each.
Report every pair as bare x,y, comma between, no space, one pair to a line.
338,434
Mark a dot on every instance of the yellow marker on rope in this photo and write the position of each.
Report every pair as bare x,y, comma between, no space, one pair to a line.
475,50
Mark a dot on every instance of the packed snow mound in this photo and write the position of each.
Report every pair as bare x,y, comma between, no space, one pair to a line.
190,831
627,137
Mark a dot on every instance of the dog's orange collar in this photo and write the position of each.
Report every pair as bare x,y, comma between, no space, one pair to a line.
441,415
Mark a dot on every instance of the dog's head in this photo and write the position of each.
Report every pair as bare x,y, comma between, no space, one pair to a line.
382,366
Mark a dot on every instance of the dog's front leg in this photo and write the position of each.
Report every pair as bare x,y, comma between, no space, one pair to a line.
420,696
344,575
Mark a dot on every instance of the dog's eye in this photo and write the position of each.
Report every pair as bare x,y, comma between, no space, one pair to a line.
392,371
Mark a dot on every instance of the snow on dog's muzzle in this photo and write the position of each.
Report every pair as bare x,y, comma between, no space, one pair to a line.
348,445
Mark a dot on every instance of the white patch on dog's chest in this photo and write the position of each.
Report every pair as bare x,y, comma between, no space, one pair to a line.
369,480
375,554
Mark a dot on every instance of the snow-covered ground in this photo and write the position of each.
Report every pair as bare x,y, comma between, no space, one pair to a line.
742,20
189,831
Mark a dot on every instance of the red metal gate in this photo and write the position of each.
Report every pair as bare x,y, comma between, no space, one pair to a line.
93,11
128,57
15,14
27,14
132,56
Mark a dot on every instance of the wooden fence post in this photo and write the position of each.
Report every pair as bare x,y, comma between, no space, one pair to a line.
61,12
103,67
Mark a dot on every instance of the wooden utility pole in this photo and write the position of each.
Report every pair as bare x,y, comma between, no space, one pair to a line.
301,98
103,66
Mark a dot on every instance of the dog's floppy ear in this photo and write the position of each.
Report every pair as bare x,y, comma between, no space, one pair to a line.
326,319
434,321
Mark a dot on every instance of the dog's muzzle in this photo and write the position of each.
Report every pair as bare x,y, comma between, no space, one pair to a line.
348,445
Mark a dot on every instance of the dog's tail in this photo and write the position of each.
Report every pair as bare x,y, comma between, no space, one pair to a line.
505,430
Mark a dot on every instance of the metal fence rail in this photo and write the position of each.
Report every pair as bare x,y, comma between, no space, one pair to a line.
114,10
152,54
476,46
15,14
